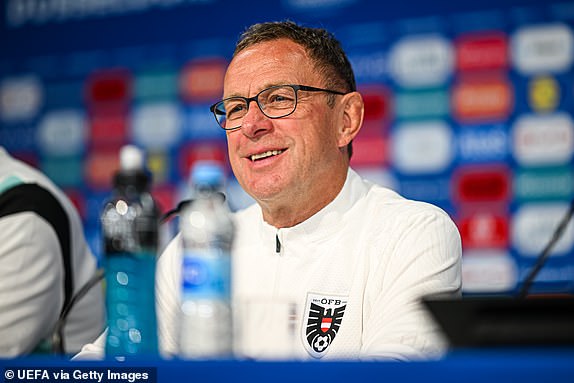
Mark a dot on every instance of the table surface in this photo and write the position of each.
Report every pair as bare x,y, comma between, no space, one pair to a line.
492,365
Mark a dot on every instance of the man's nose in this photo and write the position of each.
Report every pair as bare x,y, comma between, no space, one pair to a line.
255,123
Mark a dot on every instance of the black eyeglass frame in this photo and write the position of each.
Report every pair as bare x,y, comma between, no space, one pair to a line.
255,98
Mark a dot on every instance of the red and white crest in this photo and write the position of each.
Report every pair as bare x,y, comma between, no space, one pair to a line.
323,317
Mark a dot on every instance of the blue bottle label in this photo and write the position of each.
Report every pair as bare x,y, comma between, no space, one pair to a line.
206,275
130,299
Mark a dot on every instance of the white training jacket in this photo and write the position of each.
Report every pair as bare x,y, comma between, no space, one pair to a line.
32,268
352,276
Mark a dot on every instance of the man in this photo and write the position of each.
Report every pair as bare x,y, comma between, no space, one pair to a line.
44,261
354,258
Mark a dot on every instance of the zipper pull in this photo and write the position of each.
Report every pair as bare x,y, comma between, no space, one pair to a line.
277,244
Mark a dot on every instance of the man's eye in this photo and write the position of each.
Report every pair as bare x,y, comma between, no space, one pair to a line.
279,98
234,110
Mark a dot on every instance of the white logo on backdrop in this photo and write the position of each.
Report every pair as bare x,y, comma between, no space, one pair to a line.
421,61
488,271
543,139
62,132
534,224
156,126
422,147
20,98
543,48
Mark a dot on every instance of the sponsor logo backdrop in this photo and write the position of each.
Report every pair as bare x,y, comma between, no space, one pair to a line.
468,106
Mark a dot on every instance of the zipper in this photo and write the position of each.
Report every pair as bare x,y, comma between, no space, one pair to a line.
278,262
278,246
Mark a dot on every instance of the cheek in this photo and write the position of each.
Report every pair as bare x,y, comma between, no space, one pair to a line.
232,150
322,137
316,130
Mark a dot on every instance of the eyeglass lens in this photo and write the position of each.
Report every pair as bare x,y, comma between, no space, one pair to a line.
274,102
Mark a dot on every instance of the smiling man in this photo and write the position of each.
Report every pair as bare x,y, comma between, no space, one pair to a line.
293,165
352,257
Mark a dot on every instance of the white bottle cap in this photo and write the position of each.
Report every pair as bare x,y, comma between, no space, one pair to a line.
131,158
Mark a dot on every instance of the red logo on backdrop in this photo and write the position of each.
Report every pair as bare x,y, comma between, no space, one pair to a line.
112,86
107,128
101,166
482,98
377,103
484,229
370,150
488,184
482,52
202,80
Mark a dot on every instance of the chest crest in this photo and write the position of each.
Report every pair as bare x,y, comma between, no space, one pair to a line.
323,317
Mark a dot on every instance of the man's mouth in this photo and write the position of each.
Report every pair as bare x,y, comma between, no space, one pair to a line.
269,153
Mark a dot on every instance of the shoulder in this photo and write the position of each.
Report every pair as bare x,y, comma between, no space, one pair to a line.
391,202
25,187
388,211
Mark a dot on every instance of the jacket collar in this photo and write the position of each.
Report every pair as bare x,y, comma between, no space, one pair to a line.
326,221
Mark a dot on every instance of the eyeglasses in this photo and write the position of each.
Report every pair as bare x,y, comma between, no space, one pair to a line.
274,102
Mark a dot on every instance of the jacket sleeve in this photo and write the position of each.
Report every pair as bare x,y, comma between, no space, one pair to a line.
93,351
168,282
425,260
31,293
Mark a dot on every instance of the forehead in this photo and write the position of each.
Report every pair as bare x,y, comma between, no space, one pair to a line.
269,63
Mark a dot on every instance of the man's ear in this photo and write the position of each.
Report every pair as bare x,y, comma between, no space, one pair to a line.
353,110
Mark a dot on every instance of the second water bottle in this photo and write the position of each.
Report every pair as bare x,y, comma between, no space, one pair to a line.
207,235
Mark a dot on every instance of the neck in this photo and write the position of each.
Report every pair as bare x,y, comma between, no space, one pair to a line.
299,207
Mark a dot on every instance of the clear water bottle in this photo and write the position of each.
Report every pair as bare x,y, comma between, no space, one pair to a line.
130,221
207,234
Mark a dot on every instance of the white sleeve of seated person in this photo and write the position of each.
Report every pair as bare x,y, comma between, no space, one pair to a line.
31,282
93,351
168,287
426,260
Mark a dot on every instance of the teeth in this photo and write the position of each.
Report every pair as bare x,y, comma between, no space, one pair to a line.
268,153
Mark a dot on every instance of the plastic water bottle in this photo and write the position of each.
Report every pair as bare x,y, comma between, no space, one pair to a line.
207,234
130,221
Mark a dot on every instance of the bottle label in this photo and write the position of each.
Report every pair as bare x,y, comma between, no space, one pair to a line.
130,301
206,275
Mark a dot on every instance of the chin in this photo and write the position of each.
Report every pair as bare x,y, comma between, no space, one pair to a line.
267,183
264,192
262,195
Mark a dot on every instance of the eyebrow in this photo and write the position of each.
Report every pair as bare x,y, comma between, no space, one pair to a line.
267,85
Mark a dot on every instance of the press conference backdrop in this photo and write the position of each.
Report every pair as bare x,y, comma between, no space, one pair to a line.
468,106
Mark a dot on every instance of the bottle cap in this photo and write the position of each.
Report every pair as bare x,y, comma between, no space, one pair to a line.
131,158
132,170
207,173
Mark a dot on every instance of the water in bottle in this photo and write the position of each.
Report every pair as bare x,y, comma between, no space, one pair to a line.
207,234
130,232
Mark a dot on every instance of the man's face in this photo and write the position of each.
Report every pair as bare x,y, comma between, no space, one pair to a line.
303,148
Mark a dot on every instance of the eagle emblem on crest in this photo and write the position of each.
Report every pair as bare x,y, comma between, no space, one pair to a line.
323,317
